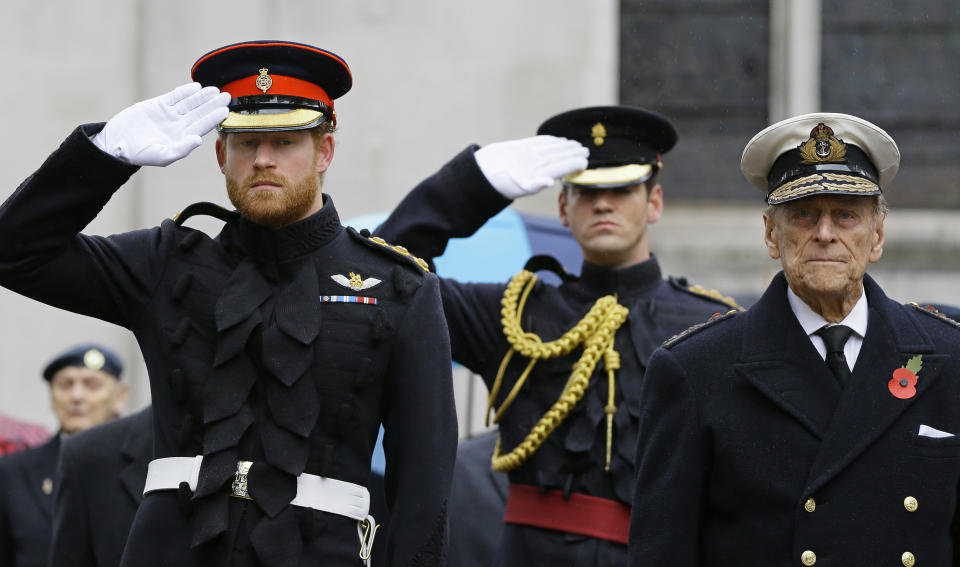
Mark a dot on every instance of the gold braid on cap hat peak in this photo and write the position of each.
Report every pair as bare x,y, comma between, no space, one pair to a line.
595,331
836,182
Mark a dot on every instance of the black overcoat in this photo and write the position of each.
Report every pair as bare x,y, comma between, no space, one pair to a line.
253,354
99,485
455,202
26,504
750,453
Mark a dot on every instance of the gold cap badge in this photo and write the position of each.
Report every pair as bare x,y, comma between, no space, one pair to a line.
822,147
94,359
599,132
264,81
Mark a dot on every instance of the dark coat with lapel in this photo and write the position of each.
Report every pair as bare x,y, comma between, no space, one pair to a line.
26,505
258,349
455,202
99,486
750,453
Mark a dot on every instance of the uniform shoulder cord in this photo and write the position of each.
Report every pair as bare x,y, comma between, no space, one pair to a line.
595,331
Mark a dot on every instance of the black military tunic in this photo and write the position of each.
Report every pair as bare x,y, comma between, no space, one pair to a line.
455,202
283,347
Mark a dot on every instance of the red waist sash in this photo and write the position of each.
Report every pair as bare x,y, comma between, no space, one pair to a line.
579,514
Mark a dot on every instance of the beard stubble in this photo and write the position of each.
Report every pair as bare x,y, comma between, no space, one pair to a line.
274,208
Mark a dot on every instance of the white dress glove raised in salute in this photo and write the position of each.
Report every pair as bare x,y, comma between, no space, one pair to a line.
522,167
161,130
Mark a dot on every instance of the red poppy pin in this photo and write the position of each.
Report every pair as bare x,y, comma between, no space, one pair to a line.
903,385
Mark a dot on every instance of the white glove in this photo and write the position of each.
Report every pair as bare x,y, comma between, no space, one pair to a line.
522,167
164,129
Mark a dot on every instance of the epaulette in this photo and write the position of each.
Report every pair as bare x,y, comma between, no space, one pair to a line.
717,317
544,262
378,243
682,284
934,312
205,208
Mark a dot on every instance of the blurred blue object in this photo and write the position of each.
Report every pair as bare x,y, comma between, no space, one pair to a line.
500,248
494,253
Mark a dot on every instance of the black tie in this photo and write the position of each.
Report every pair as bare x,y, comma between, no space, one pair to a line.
835,336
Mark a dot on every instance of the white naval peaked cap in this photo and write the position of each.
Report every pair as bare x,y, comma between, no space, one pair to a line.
823,152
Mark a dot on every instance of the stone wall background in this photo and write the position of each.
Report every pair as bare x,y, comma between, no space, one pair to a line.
432,76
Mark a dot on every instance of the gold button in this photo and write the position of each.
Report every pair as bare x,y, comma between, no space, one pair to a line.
808,558
810,505
911,504
908,559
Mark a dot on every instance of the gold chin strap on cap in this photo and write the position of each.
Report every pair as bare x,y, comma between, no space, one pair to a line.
596,331
297,118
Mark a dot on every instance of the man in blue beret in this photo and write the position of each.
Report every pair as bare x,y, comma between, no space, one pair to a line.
276,349
85,390
563,364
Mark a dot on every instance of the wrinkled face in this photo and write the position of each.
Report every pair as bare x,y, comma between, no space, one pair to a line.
273,178
824,242
611,224
82,398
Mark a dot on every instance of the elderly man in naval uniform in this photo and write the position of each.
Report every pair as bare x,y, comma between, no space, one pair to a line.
819,427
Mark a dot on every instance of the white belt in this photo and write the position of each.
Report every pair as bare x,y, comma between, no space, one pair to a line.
317,492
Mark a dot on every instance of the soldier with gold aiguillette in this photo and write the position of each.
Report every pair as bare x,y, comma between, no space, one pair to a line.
563,364
819,427
276,349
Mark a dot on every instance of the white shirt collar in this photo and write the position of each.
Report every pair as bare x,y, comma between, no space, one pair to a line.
810,320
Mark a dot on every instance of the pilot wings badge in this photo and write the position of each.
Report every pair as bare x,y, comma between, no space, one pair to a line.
355,281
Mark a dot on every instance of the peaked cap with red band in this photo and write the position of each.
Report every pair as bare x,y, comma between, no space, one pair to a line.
275,85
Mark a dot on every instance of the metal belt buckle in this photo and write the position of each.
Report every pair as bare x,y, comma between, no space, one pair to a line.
239,487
